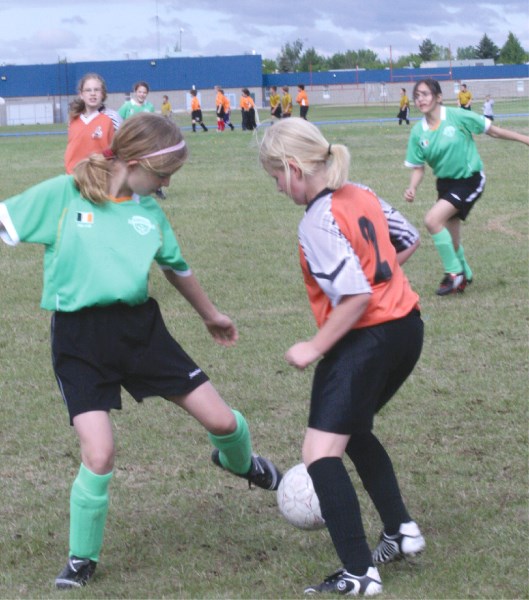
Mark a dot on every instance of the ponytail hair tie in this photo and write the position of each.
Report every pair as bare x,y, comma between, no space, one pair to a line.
108,154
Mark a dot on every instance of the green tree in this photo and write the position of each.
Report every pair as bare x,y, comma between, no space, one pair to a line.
467,53
427,50
312,61
408,60
363,59
512,52
487,48
269,65
289,57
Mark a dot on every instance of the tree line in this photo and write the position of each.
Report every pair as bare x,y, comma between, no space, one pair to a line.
293,57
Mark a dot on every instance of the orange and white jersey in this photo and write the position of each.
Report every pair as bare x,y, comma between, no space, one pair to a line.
345,249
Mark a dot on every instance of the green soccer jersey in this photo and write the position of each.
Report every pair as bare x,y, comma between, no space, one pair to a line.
131,108
95,255
450,150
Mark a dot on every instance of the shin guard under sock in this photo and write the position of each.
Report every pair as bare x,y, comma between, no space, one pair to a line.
341,511
235,449
375,469
466,268
88,513
445,248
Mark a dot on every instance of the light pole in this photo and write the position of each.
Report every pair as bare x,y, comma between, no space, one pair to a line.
181,32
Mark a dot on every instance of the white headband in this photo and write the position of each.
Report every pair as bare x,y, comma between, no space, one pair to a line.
178,146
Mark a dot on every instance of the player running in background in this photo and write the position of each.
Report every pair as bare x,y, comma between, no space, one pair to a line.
443,139
91,125
368,342
102,230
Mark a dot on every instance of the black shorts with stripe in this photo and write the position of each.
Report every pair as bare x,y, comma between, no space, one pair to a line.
362,372
98,350
461,193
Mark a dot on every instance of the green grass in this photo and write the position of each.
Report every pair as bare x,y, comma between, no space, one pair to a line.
180,528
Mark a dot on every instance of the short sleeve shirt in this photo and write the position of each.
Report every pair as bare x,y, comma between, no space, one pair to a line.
131,108
345,249
95,255
450,150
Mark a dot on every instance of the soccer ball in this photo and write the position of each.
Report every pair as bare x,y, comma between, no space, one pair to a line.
298,501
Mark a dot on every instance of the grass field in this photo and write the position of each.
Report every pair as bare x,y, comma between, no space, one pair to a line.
178,527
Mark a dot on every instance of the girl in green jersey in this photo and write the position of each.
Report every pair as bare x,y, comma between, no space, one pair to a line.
444,140
102,230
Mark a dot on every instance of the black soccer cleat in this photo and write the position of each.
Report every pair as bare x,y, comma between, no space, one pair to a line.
407,543
452,283
76,573
342,582
263,473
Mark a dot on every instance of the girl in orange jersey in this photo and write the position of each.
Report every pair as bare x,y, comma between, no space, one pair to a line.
247,110
196,112
303,100
92,126
369,338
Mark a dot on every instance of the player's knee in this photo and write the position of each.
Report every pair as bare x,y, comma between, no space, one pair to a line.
100,460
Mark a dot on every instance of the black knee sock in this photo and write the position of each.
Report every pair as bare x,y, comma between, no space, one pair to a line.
341,511
378,477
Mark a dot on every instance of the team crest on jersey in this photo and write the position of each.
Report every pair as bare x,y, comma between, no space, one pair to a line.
424,143
141,225
85,219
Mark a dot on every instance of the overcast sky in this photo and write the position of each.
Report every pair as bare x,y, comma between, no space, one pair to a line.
43,31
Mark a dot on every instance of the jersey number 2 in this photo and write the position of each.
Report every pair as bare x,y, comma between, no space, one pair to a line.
383,270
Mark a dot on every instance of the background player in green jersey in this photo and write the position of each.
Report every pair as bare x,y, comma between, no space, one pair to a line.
138,103
102,230
444,140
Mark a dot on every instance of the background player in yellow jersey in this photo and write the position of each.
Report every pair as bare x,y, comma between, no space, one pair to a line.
275,103
286,103
404,107
464,97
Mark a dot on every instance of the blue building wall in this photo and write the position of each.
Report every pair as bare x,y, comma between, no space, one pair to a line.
161,74
229,71
394,76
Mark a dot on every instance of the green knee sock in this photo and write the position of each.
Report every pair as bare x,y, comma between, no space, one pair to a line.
235,448
467,270
88,513
445,247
